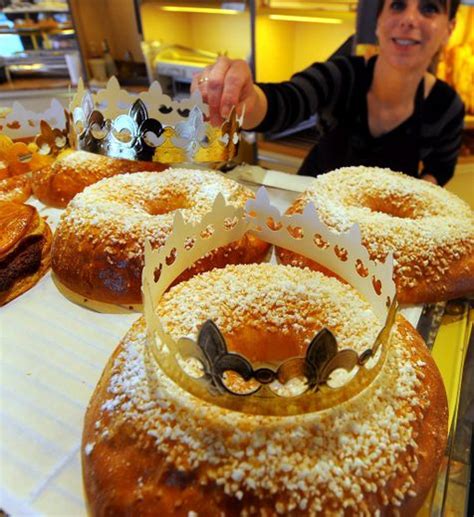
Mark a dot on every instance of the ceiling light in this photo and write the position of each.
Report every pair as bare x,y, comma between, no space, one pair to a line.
309,19
204,10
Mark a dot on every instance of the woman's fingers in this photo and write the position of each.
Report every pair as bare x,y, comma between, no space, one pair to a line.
223,85
237,86
200,81
215,86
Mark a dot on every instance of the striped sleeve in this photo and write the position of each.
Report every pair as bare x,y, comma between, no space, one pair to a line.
442,141
321,87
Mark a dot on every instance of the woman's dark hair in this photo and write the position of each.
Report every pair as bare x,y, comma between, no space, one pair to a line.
451,6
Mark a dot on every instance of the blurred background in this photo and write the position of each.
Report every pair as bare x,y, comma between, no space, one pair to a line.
45,46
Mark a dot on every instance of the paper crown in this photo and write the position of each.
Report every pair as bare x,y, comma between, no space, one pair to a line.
150,126
207,369
30,140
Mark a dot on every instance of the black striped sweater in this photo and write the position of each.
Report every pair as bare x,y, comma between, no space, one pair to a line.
336,90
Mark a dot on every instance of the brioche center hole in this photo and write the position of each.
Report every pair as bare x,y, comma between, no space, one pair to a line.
166,204
402,206
261,345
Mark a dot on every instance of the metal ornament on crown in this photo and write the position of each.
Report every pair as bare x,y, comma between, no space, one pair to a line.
30,140
150,126
208,370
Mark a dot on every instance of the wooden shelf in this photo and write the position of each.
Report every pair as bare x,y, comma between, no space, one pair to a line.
469,122
9,10
36,83
27,32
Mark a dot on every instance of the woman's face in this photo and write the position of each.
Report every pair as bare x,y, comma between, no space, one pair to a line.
411,32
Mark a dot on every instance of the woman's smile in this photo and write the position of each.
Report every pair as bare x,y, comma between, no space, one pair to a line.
406,42
404,46
410,34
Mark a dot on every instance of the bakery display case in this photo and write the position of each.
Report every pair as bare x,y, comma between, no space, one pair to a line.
38,40
456,65
181,39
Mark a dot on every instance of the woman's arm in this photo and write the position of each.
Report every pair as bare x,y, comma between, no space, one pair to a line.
322,87
275,106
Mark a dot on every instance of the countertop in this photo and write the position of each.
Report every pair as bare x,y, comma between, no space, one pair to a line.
53,352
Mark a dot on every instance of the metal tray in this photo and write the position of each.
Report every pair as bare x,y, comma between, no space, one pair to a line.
446,328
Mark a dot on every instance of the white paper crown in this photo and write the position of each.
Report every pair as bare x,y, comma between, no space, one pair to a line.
150,126
30,140
22,123
297,384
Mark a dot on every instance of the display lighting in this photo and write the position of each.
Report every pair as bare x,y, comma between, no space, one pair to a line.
206,10
308,19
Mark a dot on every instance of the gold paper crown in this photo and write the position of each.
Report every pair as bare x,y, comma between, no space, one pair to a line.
30,140
298,384
150,126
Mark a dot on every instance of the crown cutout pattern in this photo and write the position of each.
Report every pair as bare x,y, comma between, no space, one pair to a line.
150,126
326,376
30,140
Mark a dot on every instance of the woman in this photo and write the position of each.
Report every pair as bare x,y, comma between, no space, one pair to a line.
388,112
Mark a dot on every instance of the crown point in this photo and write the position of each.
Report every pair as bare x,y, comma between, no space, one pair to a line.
196,97
113,83
262,196
178,223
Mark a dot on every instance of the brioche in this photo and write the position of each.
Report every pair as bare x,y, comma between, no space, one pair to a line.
429,230
57,184
16,188
98,247
151,448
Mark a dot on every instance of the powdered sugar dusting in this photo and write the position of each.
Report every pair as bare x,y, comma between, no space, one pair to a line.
128,209
427,227
284,300
334,457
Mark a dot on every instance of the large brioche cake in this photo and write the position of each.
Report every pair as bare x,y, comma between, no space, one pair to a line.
73,171
150,447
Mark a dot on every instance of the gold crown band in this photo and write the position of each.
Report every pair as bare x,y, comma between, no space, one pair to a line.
115,123
29,140
151,126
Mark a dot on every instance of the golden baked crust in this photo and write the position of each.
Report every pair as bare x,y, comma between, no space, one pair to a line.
15,188
98,248
57,184
429,230
150,448
22,226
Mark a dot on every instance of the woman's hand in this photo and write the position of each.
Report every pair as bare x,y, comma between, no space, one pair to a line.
229,83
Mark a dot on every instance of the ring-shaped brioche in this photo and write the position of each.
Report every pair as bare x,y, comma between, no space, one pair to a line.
151,448
58,183
429,230
98,247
